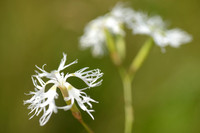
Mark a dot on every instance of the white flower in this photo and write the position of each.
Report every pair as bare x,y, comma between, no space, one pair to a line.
176,37
43,99
144,25
94,37
113,25
138,22
94,34
141,23
123,13
156,28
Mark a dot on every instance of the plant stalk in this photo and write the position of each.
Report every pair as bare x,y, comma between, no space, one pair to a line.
127,79
141,56
128,105
87,128
74,109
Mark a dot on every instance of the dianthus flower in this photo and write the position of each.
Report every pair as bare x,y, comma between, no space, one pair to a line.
43,98
120,16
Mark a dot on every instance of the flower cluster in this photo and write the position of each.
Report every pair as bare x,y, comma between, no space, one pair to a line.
43,99
139,22
156,28
94,36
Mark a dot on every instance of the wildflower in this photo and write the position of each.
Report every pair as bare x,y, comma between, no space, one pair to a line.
139,22
174,38
94,34
124,14
156,28
94,37
43,99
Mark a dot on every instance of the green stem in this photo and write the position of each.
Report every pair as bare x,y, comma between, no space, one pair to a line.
127,78
112,48
77,114
141,56
87,128
129,116
110,41
74,109
128,107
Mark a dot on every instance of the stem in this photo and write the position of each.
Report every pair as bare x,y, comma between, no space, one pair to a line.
77,114
129,116
127,78
141,56
112,48
120,46
87,128
74,109
117,53
128,108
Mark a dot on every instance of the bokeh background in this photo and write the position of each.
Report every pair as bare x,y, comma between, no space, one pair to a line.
166,90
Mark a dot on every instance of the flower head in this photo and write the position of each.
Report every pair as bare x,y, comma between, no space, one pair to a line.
94,37
123,13
94,34
43,99
156,28
138,22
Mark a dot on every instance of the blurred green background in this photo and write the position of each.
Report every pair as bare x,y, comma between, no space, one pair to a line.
166,90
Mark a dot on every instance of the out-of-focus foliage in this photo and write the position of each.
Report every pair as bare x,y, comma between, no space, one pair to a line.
166,89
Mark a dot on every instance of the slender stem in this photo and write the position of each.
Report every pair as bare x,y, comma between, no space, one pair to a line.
128,107
129,116
77,114
112,48
120,46
74,109
110,41
127,78
87,128
141,56
117,53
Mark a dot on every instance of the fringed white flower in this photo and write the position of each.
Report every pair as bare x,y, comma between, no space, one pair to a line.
43,99
156,28
94,37
173,38
140,23
89,77
125,14
94,34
